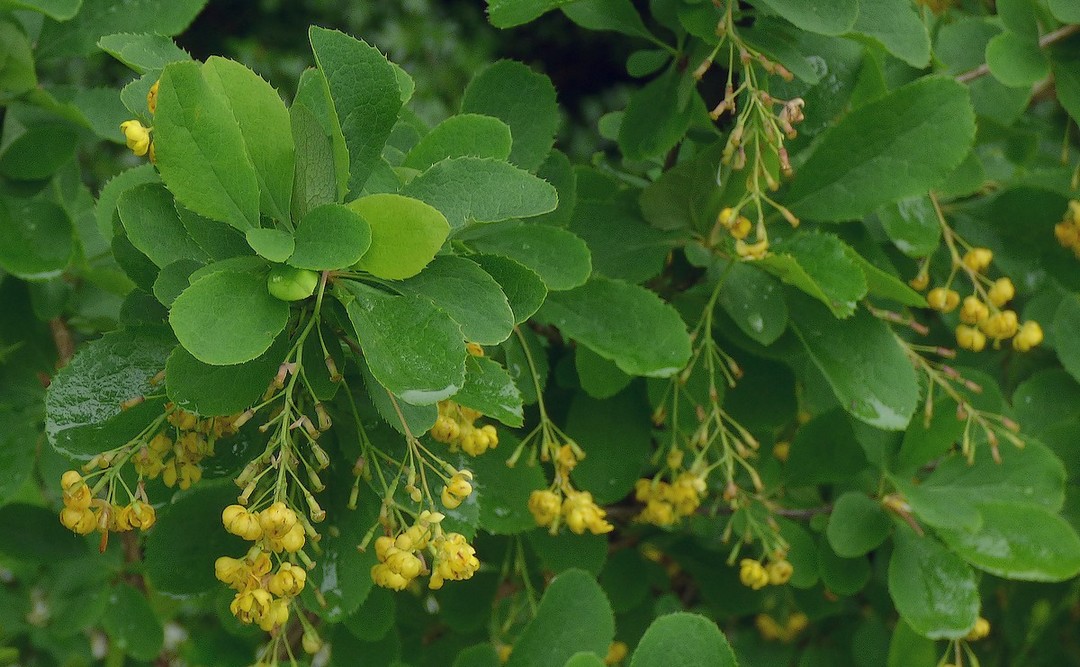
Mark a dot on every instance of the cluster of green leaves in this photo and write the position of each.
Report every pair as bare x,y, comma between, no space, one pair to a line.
475,228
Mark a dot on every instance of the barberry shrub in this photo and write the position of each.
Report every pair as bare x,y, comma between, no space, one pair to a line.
787,371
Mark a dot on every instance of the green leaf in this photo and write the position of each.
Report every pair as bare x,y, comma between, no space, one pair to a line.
342,573
1046,399
105,207
504,491
83,405
523,288
1015,60
19,435
573,616
934,590
560,258
653,123
364,88
828,432
322,159
17,74
490,390
524,100
462,135
276,245
173,279
142,52
217,239
909,648
131,624
599,377
820,265
885,285
510,13
912,225
39,152
477,190
200,149
584,659
1066,324
466,293
862,362
897,146
1065,11
616,15
923,442
398,414
60,10
330,237
33,534
37,238
227,317
1022,542
265,126
405,235
413,349
481,655
616,435
829,18
857,525
97,18
624,323
374,618
898,27
153,226
213,391
755,302
179,565
688,640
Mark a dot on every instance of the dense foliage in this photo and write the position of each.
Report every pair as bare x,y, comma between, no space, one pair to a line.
769,356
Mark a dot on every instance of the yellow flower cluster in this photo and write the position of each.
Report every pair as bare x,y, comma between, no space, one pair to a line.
981,314
457,489
754,575
83,513
261,597
772,631
401,557
563,504
666,503
177,459
739,226
455,427
137,135
1067,231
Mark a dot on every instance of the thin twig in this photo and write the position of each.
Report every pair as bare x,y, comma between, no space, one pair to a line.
1046,40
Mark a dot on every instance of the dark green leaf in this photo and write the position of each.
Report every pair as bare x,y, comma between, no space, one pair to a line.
490,390
857,525
560,258
688,640
37,238
154,227
466,293
933,589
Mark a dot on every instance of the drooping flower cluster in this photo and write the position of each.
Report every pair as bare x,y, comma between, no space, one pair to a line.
262,596
668,502
83,512
455,426
754,575
176,456
401,557
1067,232
563,504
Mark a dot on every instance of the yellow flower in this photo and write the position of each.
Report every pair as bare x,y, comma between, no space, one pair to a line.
1000,325
974,311
457,489
977,259
616,653
780,572
1029,336
138,136
545,505
980,631
455,560
942,299
970,338
277,520
581,514
288,581
752,574
242,523
1001,292
752,250
151,98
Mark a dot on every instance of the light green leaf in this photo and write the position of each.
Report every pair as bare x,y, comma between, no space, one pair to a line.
524,100
462,135
478,190
36,235
105,207
510,13
1016,61
412,348
524,290
405,235
364,88
885,285
83,414
574,615
97,18
200,150
616,15
1065,327
755,302
898,27
213,391
857,525
1022,542
825,18
264,124
558,171
17,74
275,245
912,225
934,590
131,624
625,323
683,639
227,317
560,258
142,52
153,226
330,236
897,146
820,265
490,390
466,293
862,362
